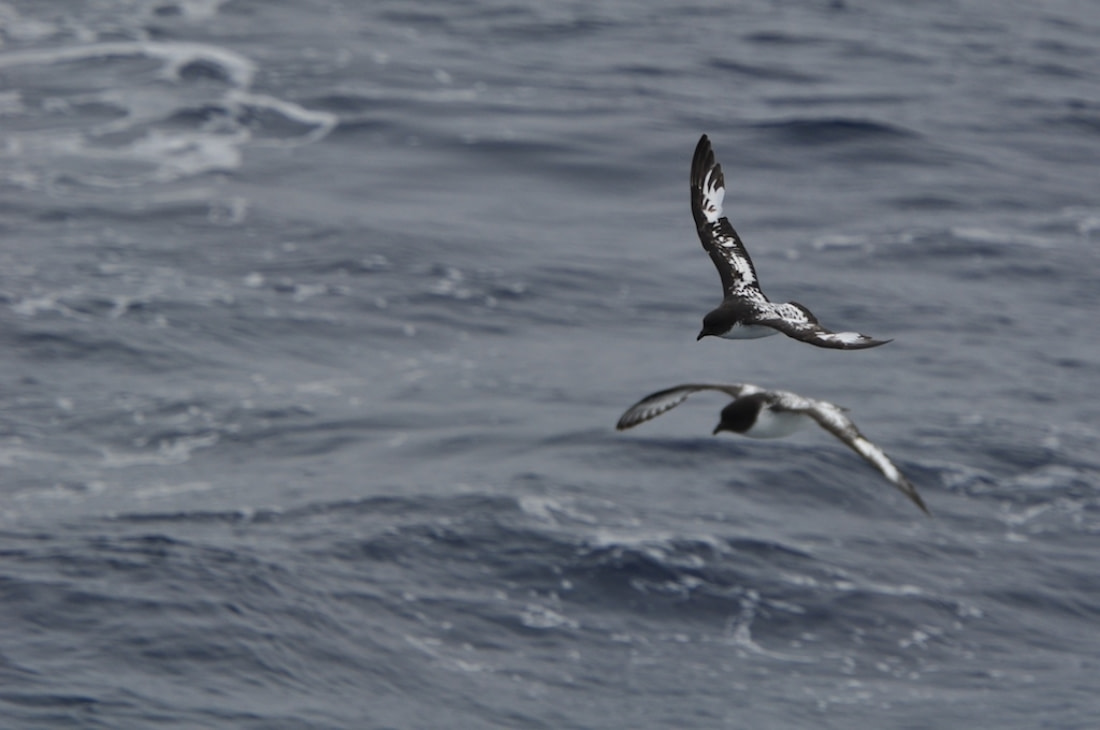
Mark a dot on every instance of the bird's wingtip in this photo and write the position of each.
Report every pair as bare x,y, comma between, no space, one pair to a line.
914,496
920,503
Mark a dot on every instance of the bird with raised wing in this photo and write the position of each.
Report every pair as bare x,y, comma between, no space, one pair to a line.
745,313
760,413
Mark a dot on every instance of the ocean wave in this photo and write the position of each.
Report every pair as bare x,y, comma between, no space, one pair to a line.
175,58
834,130
189,114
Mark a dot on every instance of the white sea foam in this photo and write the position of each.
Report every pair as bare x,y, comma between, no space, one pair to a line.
168,453
974,234
317,124
169,490
200,9
176,56
147,131
839,241
541,617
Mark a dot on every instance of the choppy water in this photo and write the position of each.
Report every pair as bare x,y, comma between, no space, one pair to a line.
317,317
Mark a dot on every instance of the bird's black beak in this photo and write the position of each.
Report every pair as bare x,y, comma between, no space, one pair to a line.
716,430
701,336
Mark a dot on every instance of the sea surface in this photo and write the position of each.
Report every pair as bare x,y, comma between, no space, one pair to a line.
316,318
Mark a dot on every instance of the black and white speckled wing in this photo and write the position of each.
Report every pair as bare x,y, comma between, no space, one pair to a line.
657,403
833,419
794,320
708,189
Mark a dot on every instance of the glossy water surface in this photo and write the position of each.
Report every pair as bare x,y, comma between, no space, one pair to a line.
317,317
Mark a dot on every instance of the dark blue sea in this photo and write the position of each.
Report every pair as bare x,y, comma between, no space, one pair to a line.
317,316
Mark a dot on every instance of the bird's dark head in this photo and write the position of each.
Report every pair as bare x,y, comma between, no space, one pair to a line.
713,326
740,415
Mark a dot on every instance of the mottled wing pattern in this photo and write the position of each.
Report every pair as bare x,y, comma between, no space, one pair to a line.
833,419
657,403
794,320
708,189
784,400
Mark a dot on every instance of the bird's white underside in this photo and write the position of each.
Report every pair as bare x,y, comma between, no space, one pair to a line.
748,332
771,424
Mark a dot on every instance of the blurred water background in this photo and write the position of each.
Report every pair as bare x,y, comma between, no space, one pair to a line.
317,317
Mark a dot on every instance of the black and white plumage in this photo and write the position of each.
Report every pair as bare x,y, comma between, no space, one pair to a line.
759,413
745,312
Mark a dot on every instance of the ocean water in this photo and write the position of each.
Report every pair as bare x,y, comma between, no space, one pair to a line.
317,318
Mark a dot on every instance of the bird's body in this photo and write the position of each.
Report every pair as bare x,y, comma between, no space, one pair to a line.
757,416
747,332
745,313
716,322
759,413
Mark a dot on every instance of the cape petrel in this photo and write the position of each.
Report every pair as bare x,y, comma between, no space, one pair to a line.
759,413
745,313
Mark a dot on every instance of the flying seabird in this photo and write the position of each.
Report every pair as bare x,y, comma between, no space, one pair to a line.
759,413
745,313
